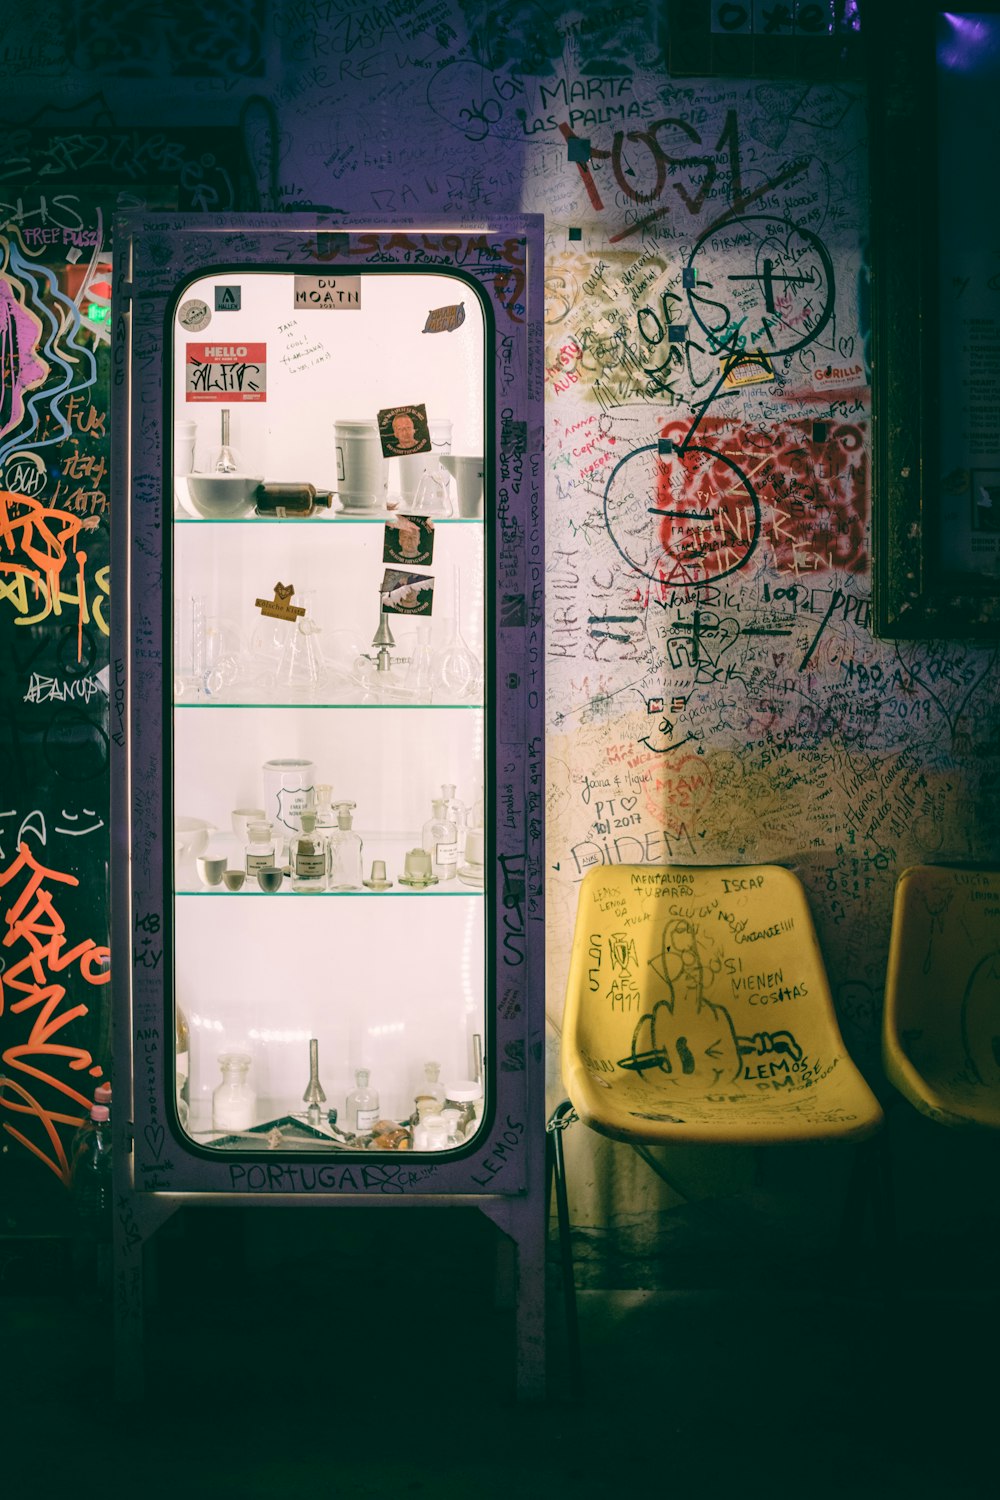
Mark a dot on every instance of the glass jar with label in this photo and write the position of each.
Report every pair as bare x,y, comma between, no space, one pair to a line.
440,839
309,857
261,851
362,1104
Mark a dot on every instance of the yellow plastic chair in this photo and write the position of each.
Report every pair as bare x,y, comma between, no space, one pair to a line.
698,1011
941,1021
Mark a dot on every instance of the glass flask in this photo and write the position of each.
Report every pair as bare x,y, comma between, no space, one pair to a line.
234,1101
309,856
261,851
455,667
439,837
362,1104
419,680
301,669
432,497
345,851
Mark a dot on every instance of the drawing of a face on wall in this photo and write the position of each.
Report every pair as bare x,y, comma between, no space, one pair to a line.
404,430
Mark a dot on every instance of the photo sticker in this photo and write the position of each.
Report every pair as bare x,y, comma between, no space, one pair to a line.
403,430
405,593
409,539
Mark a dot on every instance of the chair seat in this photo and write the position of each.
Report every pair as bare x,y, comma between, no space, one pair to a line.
698,1010
941,1025
773,1107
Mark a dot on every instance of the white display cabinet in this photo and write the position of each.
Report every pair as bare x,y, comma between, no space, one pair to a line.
328,571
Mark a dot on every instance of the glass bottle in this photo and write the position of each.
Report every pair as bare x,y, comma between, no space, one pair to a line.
430,1096
362,1104
345,851
234,1101
261,848
456,809
439,838
309,856
90,1174
291,499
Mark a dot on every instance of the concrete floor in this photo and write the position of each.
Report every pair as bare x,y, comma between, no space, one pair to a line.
286,1361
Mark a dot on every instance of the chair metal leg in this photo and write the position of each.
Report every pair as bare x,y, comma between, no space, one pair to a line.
561,1118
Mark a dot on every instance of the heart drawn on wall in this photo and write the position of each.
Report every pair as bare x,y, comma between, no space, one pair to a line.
951,682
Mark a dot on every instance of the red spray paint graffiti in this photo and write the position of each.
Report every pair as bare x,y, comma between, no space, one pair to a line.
809,478
35,1069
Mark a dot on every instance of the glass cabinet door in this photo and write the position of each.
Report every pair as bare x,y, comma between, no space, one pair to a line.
327,601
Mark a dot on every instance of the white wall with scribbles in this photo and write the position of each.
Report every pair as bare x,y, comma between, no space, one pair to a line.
714,690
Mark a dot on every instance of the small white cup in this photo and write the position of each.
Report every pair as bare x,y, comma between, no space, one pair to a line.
210,868
467,473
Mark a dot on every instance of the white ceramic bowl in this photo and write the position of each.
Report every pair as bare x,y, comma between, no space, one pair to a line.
219,496
191,836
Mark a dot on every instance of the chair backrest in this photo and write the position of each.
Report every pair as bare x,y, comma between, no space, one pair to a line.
710,977
941,1023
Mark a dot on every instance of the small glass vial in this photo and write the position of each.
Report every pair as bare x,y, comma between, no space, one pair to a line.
261,849
234,1101
430,1096
440,839
362,1105
345,851
309,857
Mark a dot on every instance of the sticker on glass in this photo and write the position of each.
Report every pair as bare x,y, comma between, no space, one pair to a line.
403,430
280,607
405,593
194,314
226,372
409,539
445,319
328,293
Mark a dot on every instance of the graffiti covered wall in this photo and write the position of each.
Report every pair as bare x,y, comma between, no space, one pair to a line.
714,690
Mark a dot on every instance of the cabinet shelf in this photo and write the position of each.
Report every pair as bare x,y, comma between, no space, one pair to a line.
476,892
296,704
325,520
